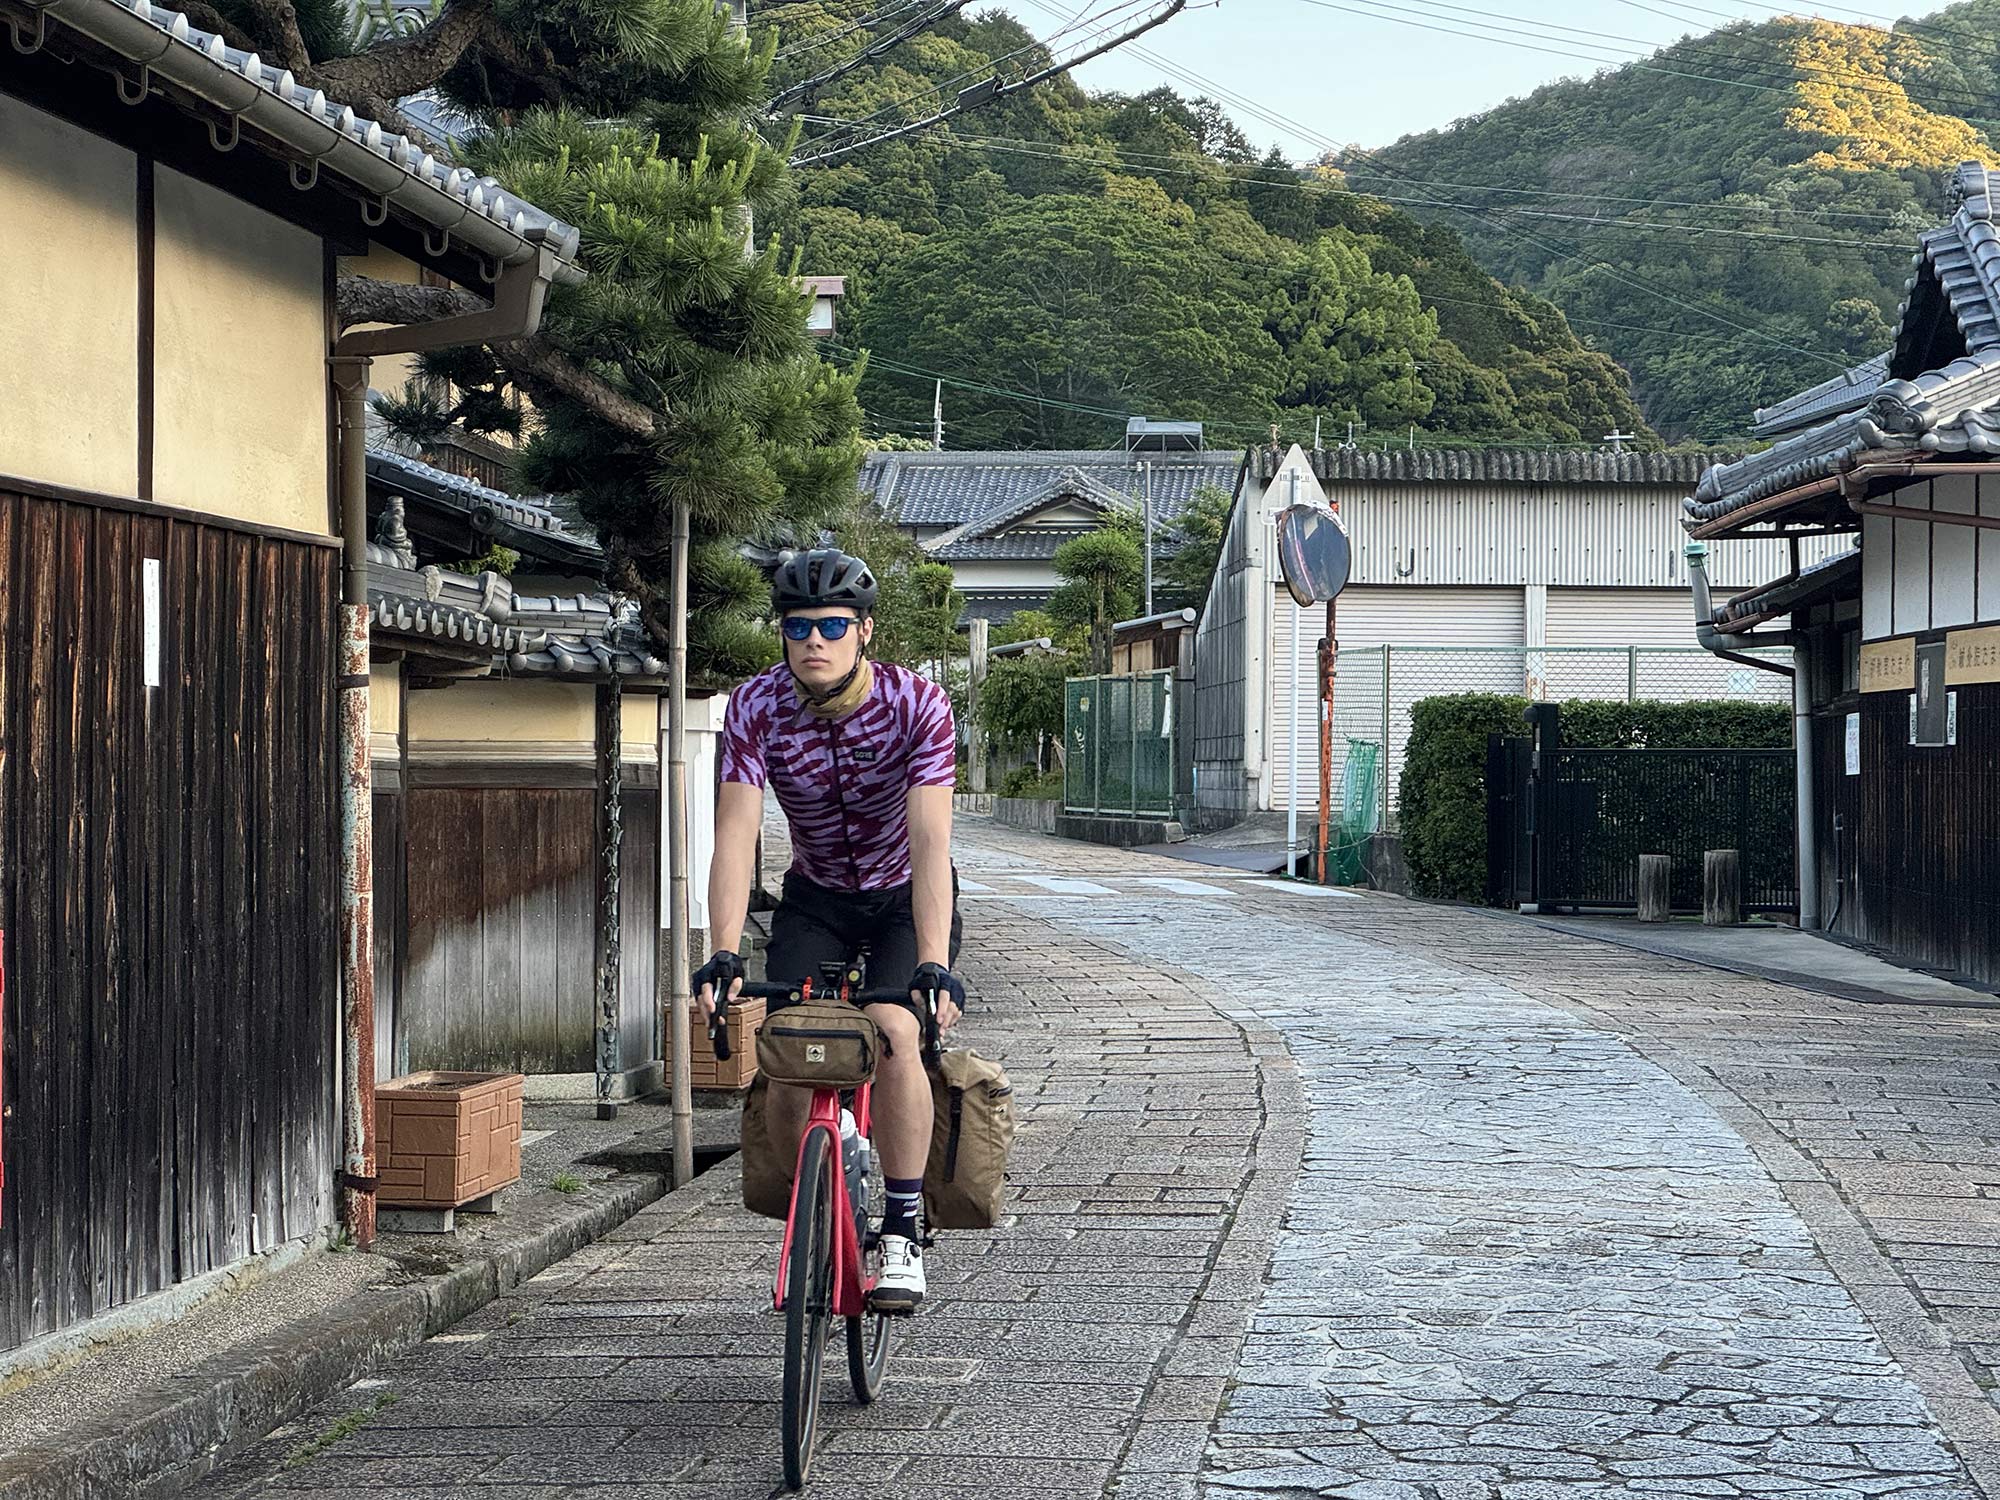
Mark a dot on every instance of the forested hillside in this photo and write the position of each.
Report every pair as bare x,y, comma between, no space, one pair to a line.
1731,217
1064,259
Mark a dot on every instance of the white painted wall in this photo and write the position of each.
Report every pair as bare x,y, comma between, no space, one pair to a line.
1919,575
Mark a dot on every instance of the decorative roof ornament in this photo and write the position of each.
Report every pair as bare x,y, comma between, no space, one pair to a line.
391,533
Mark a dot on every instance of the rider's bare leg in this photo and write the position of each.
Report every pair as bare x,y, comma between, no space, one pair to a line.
902,1097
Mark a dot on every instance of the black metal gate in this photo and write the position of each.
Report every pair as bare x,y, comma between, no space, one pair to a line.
1566,827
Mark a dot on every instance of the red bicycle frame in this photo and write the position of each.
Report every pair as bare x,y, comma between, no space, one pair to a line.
851,1281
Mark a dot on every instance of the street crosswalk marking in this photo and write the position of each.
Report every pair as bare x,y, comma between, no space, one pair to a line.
1063,885
1300,888
973,887
1182,887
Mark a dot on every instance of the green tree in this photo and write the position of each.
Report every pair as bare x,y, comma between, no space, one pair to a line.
1102,572
1194,545
1021,703
916,607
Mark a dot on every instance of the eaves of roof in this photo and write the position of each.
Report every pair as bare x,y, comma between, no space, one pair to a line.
1036,545
317,134
1952,410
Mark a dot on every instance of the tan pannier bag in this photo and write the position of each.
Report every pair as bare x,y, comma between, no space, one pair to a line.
767,1171
972,1130
819,1044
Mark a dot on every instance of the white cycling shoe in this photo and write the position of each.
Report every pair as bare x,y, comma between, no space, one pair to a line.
900,1287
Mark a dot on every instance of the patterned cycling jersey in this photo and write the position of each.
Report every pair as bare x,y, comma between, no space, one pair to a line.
843,784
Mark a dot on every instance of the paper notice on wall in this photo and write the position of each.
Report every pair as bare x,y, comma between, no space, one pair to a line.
149,599
1854,744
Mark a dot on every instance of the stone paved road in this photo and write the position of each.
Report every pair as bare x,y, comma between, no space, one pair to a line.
1319,1195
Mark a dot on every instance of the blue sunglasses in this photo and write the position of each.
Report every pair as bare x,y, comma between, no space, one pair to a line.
830,627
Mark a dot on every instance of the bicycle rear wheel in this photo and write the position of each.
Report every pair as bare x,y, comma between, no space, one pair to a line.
808,1301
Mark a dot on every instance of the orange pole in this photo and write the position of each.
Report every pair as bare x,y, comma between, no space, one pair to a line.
1326,672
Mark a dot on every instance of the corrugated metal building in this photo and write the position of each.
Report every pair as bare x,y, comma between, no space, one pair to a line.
1493,567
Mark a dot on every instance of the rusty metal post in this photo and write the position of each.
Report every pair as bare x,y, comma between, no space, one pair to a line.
1326,668
610,842
357,815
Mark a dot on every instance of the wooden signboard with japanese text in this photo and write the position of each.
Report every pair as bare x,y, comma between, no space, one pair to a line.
1889,666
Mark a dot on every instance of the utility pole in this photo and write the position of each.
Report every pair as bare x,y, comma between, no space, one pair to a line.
1148,466
1618,439
937,419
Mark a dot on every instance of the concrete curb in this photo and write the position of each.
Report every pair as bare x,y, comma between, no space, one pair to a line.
166,1437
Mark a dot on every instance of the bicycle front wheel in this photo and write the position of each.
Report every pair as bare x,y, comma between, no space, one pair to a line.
868,1340
808,1301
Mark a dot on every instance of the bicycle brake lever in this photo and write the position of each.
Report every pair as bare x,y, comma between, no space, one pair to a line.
718,1027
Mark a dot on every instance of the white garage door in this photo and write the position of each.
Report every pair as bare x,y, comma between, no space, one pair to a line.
1450,635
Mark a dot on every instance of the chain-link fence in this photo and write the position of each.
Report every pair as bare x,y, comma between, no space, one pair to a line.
1375,688
1118,736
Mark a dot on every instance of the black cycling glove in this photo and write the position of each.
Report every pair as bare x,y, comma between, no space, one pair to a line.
722,970
936,977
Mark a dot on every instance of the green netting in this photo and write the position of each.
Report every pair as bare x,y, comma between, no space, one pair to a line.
1080,742
1360,811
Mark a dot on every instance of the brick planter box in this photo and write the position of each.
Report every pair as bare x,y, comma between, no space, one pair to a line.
704,1070
445,1139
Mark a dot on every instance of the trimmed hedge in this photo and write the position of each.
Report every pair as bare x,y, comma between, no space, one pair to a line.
1442,816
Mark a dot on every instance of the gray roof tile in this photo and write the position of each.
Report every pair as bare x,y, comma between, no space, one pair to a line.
1501,465
1843,393
951,489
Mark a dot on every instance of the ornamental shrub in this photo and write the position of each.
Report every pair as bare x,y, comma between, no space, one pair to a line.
1442,810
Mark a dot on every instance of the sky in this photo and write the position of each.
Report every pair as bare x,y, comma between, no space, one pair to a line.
1366,72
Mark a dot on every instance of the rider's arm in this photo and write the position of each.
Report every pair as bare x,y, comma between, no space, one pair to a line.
930,872
739,816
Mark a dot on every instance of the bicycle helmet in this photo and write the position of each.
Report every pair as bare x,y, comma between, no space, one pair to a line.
820,578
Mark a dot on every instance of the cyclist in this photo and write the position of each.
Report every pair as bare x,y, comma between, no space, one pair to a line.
861,755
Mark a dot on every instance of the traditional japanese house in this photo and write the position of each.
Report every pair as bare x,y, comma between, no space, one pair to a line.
1897,641
183,759
507,706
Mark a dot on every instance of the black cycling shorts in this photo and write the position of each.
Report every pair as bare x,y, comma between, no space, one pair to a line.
816,925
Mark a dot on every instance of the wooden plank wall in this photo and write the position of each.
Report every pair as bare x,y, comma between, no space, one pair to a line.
1922,840
499,959
169,886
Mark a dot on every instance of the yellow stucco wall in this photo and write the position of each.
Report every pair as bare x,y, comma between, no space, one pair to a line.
385,697
513,718
69,319
240,326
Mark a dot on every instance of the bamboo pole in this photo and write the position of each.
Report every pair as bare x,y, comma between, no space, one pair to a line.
680,1001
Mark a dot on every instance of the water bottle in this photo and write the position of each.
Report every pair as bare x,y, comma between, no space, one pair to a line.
854,1163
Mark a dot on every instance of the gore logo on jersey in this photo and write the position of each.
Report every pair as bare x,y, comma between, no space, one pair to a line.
862,755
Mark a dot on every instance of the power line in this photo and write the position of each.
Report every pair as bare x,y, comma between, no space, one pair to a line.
999,143
1306,132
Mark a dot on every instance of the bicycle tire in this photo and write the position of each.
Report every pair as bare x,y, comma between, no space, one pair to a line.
808,1303
868,1340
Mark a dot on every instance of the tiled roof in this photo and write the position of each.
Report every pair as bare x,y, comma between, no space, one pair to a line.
1032,544
1000,607
1843,393
950,489
1501,465
323,133
1960,262
531,527
1952,410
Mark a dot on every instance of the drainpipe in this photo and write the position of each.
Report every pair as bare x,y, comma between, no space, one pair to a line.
1731,648
516,313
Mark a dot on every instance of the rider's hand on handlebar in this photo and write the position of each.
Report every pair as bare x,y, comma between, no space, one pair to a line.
950,991
724,968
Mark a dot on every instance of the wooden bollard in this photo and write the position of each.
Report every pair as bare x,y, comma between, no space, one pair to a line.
1655,891
1721,888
